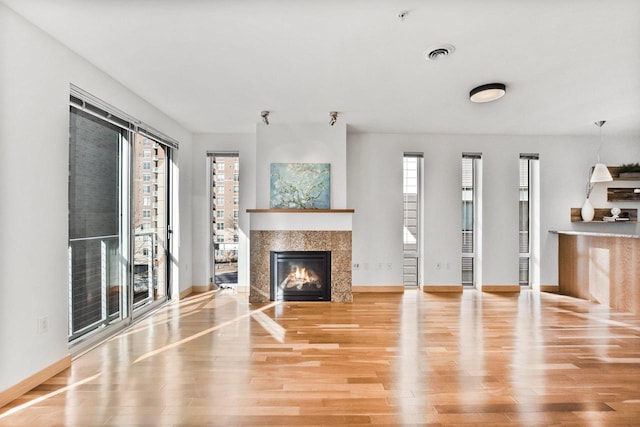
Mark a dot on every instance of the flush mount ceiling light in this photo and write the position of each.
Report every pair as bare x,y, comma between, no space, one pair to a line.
487,93
265,117
333,117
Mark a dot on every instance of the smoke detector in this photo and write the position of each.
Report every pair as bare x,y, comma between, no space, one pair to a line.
437,53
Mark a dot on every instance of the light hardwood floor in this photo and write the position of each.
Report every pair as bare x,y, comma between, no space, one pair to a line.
467,359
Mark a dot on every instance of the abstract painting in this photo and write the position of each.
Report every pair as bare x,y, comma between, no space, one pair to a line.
300,186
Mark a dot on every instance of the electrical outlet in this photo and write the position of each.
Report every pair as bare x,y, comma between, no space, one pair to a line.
438,265
43,325
356,266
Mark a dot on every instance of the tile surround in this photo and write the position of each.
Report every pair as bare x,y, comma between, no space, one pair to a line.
265,241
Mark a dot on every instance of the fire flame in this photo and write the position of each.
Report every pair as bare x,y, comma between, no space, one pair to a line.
301,273
300,276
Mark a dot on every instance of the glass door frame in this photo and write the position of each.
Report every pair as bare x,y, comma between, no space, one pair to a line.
139,309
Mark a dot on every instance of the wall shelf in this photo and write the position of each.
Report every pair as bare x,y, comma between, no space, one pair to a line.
602,212
615,174
622,194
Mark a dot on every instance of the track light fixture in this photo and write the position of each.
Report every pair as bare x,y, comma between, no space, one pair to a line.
333,117
265,117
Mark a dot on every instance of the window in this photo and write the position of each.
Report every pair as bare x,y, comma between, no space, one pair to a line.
470,163
145,251
146,177
236,177
146,189
146,201
146,142
411,172
146,153
527,219
146,165
145,226
146,213
224,227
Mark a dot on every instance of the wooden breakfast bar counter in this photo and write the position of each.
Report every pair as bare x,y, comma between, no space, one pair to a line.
601,267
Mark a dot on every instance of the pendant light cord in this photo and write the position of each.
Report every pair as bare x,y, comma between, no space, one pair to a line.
600,124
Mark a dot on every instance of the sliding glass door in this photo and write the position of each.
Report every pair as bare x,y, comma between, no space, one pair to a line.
119,228
149,221
97,234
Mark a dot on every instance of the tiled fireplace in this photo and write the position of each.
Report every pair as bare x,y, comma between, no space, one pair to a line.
265,242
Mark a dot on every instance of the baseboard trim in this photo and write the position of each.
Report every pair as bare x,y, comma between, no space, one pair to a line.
442,288
362,289
552,289
185,293
501,288
12,393
199,289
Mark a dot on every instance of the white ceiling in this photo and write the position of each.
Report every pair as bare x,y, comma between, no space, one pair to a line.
214,65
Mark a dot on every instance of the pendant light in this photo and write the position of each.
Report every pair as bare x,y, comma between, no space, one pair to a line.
600,171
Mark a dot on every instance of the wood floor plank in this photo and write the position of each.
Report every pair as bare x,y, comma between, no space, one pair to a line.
464,359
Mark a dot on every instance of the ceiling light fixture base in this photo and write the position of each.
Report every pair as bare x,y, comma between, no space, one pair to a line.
487,92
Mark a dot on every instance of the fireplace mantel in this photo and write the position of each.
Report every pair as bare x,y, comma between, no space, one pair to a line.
301,219
300,211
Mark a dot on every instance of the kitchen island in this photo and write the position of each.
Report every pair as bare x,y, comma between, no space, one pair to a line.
601,267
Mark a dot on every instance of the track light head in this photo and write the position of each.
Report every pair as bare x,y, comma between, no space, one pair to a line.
265,117
333,117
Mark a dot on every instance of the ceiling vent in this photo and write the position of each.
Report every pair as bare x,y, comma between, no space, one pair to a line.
439,52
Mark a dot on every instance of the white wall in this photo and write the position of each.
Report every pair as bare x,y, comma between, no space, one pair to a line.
302,143
375,187
35,73
245,145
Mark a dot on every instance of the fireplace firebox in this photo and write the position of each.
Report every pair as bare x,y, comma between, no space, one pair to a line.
301,276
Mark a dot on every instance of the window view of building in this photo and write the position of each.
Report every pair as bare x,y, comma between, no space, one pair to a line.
224,216
149,221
